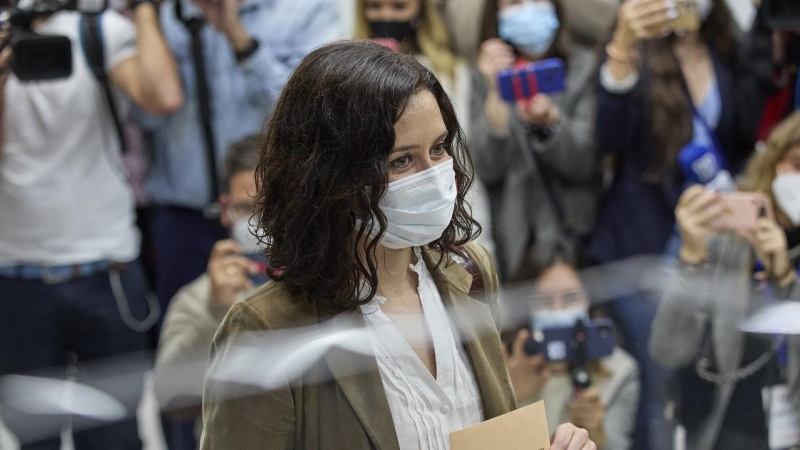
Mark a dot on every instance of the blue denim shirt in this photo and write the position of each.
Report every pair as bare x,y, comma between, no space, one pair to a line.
242,94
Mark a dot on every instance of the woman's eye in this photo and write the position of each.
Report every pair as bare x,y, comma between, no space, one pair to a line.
401,162
440,149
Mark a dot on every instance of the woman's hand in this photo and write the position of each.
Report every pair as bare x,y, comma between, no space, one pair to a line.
570,437
639,20
228,272
540,110
769,242
697,208
587,411
495,55
528,373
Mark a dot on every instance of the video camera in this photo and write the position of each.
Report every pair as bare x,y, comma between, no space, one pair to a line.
39,57
576,346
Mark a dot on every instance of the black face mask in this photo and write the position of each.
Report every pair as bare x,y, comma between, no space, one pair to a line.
396,30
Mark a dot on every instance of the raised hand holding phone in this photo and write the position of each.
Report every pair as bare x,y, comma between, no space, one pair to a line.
696,210
540,110
640,20
495,55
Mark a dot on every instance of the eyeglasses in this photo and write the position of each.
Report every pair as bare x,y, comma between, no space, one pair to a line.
561,299
243,210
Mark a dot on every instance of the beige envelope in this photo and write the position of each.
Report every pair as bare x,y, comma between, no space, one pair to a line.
523,429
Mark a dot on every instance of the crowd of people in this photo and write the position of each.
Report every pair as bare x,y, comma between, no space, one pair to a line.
232,167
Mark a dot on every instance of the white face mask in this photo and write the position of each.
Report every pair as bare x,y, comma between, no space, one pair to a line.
242,234
419,208
560,318
786,188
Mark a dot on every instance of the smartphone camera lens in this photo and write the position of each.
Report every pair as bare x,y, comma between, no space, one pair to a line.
604,331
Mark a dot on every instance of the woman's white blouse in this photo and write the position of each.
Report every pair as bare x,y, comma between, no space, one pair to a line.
424,410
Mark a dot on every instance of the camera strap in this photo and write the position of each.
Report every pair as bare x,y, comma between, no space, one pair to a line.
194,26
93,48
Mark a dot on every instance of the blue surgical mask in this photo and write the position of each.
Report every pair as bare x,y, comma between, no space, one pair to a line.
531,27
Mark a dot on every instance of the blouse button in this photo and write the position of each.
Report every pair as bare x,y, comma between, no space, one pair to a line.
445,409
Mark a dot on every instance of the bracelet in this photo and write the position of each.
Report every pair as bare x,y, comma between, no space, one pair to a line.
248,51
622,57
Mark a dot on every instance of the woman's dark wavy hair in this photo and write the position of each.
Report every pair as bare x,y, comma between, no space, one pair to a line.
324,169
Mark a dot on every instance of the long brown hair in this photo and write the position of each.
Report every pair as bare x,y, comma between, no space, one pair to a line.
430,40
324,170
760,170
671,106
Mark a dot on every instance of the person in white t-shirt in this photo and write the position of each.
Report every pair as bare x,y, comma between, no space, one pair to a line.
72,287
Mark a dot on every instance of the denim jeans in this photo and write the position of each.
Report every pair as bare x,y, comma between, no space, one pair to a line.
44,327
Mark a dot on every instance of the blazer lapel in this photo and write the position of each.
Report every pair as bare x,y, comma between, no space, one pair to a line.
359,378
474,323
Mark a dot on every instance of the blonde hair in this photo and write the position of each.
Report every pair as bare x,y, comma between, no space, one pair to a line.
431,40
761,169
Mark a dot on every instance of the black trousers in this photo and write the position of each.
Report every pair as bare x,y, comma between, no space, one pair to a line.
44,327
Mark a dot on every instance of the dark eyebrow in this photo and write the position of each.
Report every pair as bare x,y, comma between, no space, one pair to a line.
410,147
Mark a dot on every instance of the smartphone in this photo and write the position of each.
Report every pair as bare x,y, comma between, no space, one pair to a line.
741,212
522,83
261,277
688,18
558,344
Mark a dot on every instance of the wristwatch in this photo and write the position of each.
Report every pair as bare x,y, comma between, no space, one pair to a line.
248,51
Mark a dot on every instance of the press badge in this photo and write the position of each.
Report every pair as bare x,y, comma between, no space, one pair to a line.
783,420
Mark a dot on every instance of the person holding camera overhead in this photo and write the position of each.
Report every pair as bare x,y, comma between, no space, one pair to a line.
737,390
360,204
72,286
667,89
537,157
552,296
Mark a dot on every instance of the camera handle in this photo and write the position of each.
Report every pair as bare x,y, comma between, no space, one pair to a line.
580,367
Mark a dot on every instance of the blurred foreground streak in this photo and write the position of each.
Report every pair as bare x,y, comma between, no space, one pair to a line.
94,395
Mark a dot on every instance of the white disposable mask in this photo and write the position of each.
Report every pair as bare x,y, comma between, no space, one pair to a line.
560,318
786,188
243,234
420,207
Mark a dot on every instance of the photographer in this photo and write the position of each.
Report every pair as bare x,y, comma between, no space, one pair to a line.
538,157
724,375
239,53
72,286
557,298
199,307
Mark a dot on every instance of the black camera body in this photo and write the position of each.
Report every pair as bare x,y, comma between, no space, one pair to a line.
782,14
40,57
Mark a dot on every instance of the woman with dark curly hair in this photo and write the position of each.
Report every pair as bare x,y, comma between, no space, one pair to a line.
361,206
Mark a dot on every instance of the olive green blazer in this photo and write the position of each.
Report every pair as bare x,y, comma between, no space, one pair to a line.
332,406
